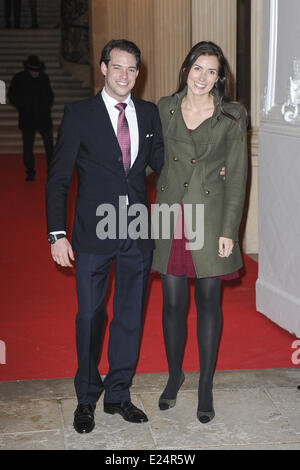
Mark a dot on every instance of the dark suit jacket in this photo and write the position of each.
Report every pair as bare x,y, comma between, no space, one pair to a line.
87,141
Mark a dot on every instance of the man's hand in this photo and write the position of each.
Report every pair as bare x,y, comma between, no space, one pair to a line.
225,247
62,253
223,172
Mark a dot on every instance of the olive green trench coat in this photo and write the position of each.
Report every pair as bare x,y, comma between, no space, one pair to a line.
191,177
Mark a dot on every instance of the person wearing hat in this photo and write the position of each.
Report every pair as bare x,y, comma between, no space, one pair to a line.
14,5
31,93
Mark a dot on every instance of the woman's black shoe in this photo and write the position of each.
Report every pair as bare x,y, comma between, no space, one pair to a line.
205,416
167,403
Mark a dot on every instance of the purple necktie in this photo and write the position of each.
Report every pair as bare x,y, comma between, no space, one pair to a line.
123,135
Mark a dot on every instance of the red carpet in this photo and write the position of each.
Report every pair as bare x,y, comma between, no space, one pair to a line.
38,303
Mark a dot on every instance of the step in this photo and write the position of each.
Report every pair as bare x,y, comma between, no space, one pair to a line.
47,56
6,110
53,72
16,139
24,47
29,35
22,42
11,61
16,34
11,133
57,80
13,123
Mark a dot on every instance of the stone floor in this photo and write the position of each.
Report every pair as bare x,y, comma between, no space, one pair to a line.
255,409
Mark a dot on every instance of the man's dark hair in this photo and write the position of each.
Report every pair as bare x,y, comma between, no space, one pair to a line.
123,45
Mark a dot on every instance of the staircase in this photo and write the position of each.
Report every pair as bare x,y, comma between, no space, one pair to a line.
15,46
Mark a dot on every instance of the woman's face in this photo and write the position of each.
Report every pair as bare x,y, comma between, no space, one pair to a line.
203,75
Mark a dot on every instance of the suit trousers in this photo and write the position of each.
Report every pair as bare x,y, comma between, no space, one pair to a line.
28,142
131,271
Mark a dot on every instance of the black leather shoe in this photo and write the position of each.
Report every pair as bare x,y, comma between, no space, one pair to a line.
127,410
84,418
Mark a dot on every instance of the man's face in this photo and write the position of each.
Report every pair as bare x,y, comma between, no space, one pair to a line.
34,74
120,74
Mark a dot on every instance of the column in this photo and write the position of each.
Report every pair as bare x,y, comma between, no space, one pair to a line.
216,21
250,242
172,42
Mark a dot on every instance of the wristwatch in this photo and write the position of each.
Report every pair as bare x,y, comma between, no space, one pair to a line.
53,238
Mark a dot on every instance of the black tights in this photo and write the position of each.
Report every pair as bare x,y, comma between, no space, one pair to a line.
209,321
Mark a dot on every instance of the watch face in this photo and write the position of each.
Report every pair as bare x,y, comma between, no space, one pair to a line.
51,239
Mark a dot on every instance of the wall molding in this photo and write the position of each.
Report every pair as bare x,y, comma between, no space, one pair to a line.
273,37
275,124
278,305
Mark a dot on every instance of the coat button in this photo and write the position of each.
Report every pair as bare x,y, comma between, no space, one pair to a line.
207,192
186,185
193,160
175,159
162,188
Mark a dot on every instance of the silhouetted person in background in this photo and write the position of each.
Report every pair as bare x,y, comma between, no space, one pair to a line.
16,6
30,92
33,9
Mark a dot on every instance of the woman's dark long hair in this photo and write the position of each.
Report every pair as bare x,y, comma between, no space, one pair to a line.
225,76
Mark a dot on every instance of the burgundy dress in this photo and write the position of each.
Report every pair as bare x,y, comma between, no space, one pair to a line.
181,261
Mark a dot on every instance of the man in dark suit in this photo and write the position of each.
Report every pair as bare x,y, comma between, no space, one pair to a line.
110,139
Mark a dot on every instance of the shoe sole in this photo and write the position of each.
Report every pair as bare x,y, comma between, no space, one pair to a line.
205,416
84,431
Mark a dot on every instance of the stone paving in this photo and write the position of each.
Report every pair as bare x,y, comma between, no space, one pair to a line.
255,410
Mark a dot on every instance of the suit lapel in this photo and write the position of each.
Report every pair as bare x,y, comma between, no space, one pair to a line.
103,128
103,125
141,120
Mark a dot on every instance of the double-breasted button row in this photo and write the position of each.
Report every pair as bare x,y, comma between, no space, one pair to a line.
193,160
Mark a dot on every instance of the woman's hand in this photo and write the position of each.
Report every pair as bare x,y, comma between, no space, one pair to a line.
225,247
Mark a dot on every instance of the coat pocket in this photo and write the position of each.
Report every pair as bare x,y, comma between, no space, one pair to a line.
210,189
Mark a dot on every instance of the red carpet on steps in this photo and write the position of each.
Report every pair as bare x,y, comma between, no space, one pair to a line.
38,302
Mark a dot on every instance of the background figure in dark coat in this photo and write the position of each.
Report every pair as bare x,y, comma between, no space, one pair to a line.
30,92
33,9
16,4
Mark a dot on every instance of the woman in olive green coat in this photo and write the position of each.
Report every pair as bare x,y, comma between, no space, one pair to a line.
203,132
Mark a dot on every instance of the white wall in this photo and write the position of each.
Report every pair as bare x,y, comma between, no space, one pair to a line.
278,284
